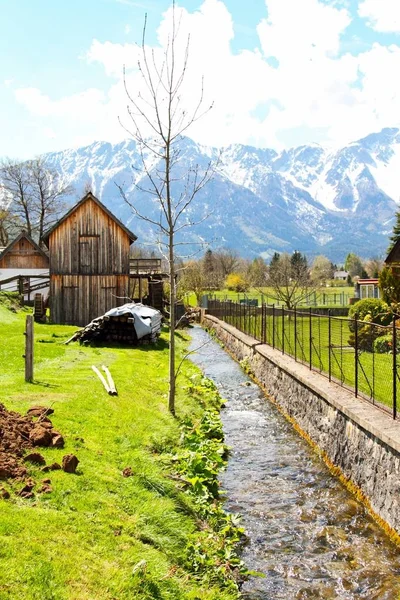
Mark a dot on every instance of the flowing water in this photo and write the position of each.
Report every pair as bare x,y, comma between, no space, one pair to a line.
307,533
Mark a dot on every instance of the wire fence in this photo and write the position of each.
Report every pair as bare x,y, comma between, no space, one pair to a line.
315,298
357,355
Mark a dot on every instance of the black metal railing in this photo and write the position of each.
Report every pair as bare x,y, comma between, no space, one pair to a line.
328,299
358,355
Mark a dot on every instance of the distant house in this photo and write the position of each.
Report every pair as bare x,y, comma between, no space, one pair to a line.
340,275
367,288
23,254
89,262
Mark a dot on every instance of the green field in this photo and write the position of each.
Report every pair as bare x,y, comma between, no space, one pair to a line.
99,535
328,297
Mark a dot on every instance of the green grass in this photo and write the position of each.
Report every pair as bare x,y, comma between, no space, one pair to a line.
374,370
323,297
85,540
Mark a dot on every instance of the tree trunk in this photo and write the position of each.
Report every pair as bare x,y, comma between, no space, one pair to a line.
172,296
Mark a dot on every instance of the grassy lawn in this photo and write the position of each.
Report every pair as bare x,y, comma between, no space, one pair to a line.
100,535
323,297
374,370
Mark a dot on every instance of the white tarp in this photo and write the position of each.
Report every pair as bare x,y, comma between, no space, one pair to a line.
145,317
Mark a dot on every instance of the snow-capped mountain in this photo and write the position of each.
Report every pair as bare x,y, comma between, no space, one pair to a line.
259,201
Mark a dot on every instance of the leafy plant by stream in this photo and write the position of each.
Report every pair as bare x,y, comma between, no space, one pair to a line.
215,554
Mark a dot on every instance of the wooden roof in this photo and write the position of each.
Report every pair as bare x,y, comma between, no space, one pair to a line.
88,196
23,234
394,254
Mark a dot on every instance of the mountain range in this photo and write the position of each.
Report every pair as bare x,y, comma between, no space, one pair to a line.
259,201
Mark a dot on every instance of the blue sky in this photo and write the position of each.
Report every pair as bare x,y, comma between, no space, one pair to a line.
280,72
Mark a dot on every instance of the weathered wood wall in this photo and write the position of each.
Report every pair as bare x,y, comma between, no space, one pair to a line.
23,255
89,242
78,299
89,265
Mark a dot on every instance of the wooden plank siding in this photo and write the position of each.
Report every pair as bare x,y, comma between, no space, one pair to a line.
89,225
78,299
23,255
89,264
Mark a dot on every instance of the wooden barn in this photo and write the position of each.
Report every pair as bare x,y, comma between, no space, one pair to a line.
22,254
89,262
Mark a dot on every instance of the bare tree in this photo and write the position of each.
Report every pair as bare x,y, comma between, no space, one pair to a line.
32,193
157,121
227,260
16,193
49,191
290,279
5,226
192,279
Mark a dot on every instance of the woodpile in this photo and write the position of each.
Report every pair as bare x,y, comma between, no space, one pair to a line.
116,329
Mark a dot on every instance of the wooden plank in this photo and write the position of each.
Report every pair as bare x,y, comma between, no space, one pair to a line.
29,348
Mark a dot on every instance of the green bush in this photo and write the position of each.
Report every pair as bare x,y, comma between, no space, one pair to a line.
370,310
366,336
383,344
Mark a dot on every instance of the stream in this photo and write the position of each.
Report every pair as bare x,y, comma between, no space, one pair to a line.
307,534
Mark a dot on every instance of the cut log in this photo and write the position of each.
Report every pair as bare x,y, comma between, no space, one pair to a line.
110,380
103,381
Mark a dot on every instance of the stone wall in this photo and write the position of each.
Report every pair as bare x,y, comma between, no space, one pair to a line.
358,438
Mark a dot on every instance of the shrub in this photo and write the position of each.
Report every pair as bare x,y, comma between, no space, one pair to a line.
366,336
383,344
370,310
236,283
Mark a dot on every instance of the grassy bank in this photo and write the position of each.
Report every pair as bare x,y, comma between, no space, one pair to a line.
99,535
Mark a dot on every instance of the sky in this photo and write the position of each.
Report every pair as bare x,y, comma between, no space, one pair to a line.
278,73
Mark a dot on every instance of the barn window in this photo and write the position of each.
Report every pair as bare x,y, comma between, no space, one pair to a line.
88,253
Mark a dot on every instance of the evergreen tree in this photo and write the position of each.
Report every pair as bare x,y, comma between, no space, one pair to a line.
274,262
396,232
299,264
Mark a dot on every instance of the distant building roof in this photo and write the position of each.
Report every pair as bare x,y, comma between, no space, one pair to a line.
23,234
340,274
394,254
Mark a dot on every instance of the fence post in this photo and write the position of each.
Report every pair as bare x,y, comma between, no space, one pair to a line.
356,355
283,329
394,350
329,345
263,324
273,325
310,338
29,348
295,333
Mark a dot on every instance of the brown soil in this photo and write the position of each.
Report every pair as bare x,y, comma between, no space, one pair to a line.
69,463
19,434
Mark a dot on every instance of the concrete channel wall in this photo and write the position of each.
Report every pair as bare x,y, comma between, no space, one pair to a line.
362,441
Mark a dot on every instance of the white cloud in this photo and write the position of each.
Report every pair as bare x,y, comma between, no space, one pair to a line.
382,15
314,93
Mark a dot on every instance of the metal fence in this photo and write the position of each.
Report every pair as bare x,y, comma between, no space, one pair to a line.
320,299
359,356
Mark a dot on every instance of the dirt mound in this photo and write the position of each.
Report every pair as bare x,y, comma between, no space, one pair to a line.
18,434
